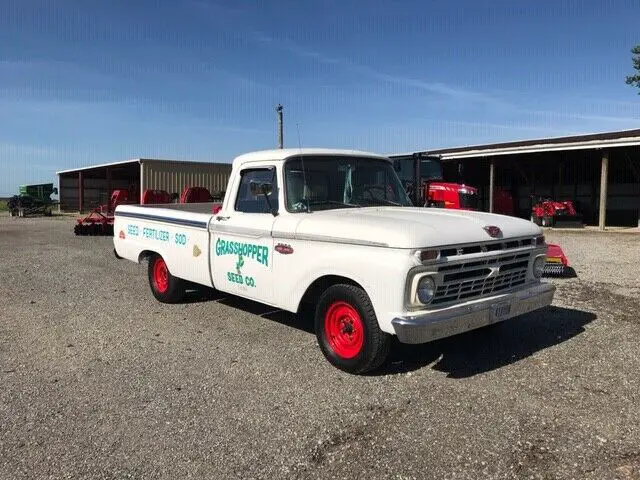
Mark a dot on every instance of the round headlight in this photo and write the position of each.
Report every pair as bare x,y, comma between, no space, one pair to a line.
426,289
538,266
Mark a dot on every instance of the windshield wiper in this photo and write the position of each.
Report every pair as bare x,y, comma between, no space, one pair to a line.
332,202
383,201
305,205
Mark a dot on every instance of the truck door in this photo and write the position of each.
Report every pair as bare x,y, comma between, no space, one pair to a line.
242,245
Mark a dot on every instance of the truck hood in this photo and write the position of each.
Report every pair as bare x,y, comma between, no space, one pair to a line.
409,227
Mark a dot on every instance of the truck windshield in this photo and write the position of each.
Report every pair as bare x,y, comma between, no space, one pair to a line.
329,182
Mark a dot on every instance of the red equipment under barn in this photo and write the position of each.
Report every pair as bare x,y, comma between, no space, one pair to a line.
100,220
551,213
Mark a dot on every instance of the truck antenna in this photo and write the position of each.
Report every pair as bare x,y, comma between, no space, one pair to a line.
304,175
280,132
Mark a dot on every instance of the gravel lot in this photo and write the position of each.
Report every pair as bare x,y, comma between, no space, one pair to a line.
101,381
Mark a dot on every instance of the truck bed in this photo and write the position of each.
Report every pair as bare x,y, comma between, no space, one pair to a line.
179,232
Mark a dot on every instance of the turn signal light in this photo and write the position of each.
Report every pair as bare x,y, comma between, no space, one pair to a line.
428,255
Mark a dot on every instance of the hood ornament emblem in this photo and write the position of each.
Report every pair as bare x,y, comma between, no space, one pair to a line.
493,231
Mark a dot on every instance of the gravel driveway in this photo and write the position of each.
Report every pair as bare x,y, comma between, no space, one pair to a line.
101,381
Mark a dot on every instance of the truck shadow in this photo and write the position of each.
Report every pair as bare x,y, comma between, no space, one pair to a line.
460,356
490,348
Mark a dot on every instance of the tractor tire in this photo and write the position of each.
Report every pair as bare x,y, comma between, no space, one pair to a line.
347,330
165,287
547,221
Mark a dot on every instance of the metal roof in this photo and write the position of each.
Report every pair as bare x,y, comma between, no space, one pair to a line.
132,161
623,138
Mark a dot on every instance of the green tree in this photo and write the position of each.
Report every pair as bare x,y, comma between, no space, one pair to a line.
635,79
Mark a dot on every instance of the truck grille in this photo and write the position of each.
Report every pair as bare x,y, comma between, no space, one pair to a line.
488,247
478,278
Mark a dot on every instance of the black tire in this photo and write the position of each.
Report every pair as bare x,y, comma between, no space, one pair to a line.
171,289
547,221
374,346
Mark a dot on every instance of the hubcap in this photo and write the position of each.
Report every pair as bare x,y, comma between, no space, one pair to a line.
344,329
161,275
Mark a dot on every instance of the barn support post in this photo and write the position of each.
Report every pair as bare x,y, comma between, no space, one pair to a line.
636,175
108,175
575,179
59,194
602,217
142,180
80,192
492,183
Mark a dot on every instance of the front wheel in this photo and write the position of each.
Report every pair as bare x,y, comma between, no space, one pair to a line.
164,286
347,330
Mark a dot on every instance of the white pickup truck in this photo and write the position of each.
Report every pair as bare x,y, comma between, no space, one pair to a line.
332,234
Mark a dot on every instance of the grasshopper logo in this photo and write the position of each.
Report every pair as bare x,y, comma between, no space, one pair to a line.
258,253
239,264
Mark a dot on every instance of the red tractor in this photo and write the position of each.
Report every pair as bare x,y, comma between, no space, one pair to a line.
551,213
427,172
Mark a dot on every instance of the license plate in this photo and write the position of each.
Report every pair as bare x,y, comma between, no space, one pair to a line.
501,310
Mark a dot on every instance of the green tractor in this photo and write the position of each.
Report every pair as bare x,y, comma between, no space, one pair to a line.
33,200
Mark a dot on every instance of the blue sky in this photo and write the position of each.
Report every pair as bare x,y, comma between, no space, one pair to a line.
84,82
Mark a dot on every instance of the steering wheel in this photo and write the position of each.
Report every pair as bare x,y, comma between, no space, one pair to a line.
373,187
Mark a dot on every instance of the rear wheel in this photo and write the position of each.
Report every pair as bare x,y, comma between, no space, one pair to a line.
164,286
347,330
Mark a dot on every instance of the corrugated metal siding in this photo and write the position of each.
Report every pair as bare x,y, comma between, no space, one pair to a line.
175,176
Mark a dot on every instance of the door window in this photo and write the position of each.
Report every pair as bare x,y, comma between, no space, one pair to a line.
248,202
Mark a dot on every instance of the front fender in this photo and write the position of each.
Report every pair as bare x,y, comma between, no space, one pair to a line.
380,271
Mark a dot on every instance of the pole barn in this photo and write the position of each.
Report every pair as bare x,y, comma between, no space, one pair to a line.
600,172
82,189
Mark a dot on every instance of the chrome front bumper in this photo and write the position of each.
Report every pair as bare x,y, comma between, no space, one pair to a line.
426,327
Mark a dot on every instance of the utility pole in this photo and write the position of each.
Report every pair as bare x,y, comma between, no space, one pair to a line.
280,134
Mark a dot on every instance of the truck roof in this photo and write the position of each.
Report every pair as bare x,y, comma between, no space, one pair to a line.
284,153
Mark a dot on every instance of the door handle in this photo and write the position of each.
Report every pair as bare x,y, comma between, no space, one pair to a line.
220,219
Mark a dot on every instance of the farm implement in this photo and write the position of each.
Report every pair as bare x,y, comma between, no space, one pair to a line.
33,200
557,264
100,220
551,213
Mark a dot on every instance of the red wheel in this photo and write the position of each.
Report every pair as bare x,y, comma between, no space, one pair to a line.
161,275
344,329
347,330
164,286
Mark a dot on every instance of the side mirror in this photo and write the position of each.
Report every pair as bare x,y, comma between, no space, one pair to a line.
55,191
261,188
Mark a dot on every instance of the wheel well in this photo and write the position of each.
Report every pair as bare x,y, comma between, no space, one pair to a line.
320,285
145,254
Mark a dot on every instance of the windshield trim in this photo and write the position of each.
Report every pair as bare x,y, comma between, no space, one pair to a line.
296,157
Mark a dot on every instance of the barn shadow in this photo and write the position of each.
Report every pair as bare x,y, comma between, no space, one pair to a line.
460,356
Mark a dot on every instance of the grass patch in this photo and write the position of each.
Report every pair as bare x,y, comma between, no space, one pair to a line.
3,206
